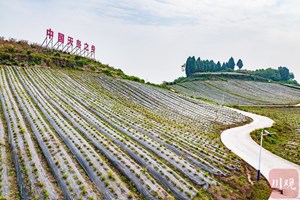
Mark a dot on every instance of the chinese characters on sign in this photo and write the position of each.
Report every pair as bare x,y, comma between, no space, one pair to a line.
93,48
86,47
70,41
285,181
78,44
61,38
68,47
281,183
50,33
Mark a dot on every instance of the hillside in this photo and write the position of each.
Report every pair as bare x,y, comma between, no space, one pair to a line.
23,54
239,92
77,134
73,128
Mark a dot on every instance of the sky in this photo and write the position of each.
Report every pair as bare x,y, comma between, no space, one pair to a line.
151,39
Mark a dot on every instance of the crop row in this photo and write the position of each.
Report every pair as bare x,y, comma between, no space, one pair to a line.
133,118
4,182
164,132
80,135
155,144
32,177
261,91
240,92
98,171
159,171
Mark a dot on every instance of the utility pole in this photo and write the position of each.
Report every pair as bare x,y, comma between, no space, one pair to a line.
261,140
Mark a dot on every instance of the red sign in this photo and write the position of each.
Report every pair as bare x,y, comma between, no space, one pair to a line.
61,38
93,48
86,47
49,33
78,44
70,41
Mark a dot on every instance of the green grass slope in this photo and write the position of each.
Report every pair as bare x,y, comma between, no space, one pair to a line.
286,142
23,54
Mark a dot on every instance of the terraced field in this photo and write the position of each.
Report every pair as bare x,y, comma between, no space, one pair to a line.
80,135
239,92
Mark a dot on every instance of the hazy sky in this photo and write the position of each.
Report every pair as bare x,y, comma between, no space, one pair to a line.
152,38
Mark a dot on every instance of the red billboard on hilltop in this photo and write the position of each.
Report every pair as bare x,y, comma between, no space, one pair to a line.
68,47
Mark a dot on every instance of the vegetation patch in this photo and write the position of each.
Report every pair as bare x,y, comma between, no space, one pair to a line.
286,142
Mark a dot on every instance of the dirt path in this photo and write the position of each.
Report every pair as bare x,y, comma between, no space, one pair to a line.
239,141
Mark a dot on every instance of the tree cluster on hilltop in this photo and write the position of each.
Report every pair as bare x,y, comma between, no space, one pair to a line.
192,65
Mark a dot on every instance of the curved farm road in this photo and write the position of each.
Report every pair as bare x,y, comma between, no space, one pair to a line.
238,140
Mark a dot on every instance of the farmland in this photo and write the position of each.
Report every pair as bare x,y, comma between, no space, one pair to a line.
240,92
69,134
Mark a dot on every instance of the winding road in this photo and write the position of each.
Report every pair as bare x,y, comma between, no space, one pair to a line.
239,141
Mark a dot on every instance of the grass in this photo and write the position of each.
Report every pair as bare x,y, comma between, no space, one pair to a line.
21,53
286,142
261,191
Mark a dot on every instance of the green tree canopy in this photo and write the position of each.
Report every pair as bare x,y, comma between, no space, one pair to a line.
240,64
190,66
284,73
268,73
231,63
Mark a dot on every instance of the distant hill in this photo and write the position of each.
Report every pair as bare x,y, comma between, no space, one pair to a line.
223,84
239,92
204,68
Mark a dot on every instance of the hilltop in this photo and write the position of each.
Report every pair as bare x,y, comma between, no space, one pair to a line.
222,84
196,68
23,54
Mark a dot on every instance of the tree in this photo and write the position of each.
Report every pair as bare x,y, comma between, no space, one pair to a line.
218,66
240,64
268,73
198,65
224,66
190,66
231,63
284,73
292,75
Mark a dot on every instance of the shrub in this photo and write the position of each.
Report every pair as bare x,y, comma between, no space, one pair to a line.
130,196
107,72
134,78
46,194
106,183
83,188
57,54
261,191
